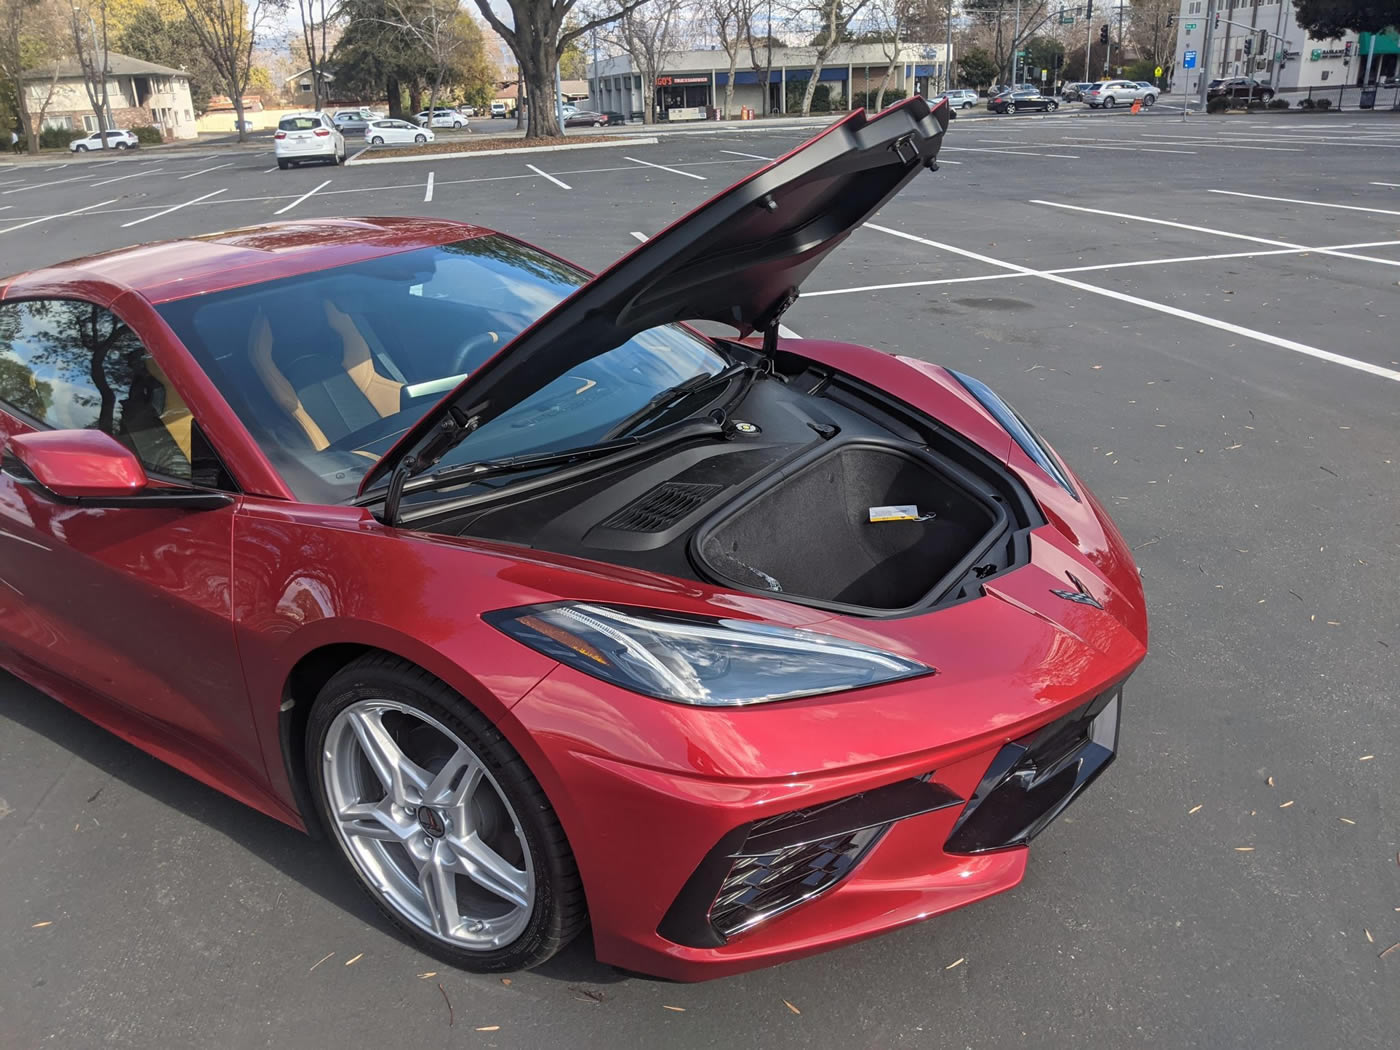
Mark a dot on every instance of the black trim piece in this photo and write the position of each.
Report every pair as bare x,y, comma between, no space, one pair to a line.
1031,781
687,921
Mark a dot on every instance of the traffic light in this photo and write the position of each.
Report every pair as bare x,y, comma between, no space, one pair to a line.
1103,34
1263,45
1217,21
1347,51
1249,45
1089,11
1171,20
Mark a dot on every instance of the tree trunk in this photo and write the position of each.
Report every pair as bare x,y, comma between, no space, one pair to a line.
537,65
237,99
415,96
884,82
729,87
395,95
433,96
519,102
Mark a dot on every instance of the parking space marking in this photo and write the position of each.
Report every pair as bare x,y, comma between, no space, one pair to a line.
273,168
428,191
60,215
1315,204
176,207
1215,232
143,171
56,167
6,207
11,182
639,235
44,185
751,156
558,182
203,171
1396,184
1155,139
1013,152
303,197
1186,315
662,167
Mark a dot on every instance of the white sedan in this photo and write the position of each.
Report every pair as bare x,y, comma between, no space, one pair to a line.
392,131
443,117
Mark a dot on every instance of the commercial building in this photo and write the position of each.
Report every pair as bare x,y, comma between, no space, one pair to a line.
1287,58
139,94
694,83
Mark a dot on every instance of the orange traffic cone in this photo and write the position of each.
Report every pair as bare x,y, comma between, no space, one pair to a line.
1137,106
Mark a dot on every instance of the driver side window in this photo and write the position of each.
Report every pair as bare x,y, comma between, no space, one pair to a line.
74,365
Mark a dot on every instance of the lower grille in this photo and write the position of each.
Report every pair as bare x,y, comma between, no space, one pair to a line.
762,869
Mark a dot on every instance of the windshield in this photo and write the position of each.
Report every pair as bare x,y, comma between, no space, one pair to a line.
328,369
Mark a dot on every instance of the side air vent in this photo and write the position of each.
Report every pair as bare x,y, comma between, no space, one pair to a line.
661,507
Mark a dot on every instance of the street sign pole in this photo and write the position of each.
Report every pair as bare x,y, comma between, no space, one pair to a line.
1188,61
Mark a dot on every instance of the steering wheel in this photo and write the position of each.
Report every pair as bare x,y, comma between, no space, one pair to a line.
470,347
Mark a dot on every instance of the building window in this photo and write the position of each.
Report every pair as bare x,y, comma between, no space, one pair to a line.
1194,8
89,122
306,85
187,116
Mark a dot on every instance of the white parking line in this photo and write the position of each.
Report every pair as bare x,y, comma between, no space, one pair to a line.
177,207
1215,232
428,192
203,171
1187,315
551,178
639,235
662,167
60,215
273,168
303,197
1396,184
104,163
6,207
11,182
1219,145
55,182
56,167
1315,204
751,156
143,171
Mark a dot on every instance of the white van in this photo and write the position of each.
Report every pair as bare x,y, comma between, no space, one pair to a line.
498,109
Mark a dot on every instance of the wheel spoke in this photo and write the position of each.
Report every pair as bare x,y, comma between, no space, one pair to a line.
489,870
375,820
400,775
437,880
440,792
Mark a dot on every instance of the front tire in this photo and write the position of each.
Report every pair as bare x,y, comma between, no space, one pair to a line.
420,139
376,141
1108,102
1054,106
80,149
441,820
1148,100
284,164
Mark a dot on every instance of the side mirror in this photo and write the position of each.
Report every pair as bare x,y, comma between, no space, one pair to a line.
73,464
88,468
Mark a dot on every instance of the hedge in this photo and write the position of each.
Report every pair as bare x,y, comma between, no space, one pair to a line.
867,99
58,138
148,135
1278,103
1219,104
1324,103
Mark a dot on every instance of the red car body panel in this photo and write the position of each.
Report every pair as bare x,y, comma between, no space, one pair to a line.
219,609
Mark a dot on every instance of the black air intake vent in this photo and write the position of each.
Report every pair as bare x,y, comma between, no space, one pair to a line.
661,507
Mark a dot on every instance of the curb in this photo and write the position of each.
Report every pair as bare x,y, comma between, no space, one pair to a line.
647,140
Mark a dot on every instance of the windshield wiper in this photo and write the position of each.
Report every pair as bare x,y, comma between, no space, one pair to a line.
672,394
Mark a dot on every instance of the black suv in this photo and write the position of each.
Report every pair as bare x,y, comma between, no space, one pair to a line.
1237,89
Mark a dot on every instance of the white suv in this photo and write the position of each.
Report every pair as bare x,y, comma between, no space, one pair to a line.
1109,93
307,136
115,140
961,98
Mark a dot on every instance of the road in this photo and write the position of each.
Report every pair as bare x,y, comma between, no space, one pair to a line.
1201,317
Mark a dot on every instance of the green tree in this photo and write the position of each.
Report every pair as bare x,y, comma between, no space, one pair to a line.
150,35
976,68
1332,18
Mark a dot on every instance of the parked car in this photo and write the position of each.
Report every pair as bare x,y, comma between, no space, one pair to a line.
586,118
568,109
443,117
1021,100
307,136
1075,92
467,111
398,533
391,131
938,100
351,121
499,109
1110,93
1239,89
115,140
961,98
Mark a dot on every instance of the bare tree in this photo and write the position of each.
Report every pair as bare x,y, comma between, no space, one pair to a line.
29,32
730,24
890,21
834,20
89,35
649,36
763,71
316,19
537,36
433,23
227,31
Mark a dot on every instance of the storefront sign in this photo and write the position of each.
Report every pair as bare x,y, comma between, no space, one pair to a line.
1319,53
686,113
672,80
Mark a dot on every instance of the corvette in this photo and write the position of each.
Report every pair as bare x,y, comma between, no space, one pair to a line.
546,608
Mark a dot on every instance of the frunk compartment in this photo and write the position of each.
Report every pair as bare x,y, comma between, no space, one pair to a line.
809,534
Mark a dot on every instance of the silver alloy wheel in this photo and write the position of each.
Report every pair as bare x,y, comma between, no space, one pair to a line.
427,826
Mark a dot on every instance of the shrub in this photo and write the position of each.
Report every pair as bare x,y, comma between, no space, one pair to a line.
1219,104
867,99
148,135
58,138
1324,103
1306,103
1278,103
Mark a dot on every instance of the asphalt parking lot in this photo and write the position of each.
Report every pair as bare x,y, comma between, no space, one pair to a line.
1203,318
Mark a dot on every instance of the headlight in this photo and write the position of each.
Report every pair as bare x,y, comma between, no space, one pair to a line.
1031,443
699,660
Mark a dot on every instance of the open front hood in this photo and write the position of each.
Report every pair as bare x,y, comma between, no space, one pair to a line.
739,259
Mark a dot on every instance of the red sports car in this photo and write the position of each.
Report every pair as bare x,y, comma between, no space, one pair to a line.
546,608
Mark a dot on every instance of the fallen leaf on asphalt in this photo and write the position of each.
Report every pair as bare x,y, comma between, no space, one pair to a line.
352,962
319,961
583,995
1244,849
1194,808
1345,821
958,963
1366,758
505,981
791,1007
1285,805
1369,938
1390,949
425,976
451,1014
489,1028
677,1009
1270,782
41,925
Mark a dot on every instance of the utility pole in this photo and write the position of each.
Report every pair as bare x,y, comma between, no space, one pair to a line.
1088,34
1120,30
1015,41
1203,63
948,52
